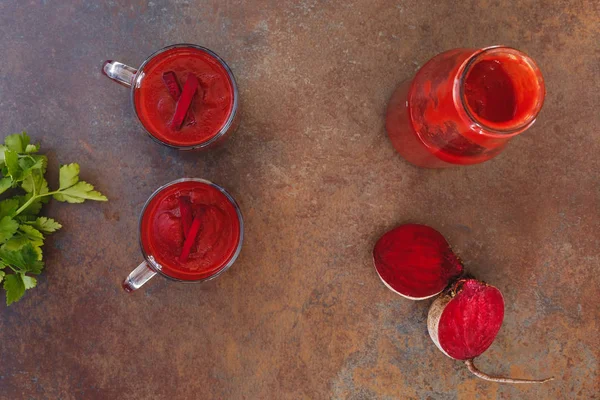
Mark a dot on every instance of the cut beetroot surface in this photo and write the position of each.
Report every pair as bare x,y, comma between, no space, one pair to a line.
415,261
464,321
471,320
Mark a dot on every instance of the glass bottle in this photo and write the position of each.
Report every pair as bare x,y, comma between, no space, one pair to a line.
464,105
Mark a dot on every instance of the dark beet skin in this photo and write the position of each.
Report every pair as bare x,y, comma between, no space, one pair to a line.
415,261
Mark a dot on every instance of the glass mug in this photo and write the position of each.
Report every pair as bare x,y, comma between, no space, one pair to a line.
464,105
158,87
191,230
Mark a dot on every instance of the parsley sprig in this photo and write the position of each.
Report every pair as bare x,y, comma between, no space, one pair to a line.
22,230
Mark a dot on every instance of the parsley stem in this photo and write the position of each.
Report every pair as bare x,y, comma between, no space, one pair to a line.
11,267
28,203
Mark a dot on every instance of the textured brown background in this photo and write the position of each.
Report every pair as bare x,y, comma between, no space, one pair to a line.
302,314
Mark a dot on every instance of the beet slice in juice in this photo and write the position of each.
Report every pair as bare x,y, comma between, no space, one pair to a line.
172,84
186,212
185,101
190,238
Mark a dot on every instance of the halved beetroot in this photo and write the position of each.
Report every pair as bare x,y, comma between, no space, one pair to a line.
415,261
464,321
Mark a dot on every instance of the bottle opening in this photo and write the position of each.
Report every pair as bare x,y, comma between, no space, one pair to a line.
502,89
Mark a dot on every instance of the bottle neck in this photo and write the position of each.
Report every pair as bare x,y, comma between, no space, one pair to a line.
500,90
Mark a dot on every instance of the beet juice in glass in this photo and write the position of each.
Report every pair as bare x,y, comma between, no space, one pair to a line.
464,105
184,95
191,230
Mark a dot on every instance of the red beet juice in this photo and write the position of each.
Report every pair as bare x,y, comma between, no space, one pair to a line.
162,82
210,227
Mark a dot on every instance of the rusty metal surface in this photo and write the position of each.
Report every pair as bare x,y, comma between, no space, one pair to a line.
302,314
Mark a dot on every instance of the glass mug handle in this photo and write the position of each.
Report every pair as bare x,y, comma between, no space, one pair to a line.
119,72
142,274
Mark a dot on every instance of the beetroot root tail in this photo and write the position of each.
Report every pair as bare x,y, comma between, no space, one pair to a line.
500,379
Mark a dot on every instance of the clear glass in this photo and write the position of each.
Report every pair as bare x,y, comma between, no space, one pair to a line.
149,267
131,77
431,124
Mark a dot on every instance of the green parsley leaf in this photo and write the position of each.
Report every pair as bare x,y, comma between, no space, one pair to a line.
69,175
29,281
8,207
18,241
29,163
32,148
17,142
43,159
2,149
5,184
8,227
80,192
35,237
35,182
2,273
46,225
14,170
39,253
15,288
26,259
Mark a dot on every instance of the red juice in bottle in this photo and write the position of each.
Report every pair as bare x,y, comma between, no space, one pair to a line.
464,105
212,106
218,240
